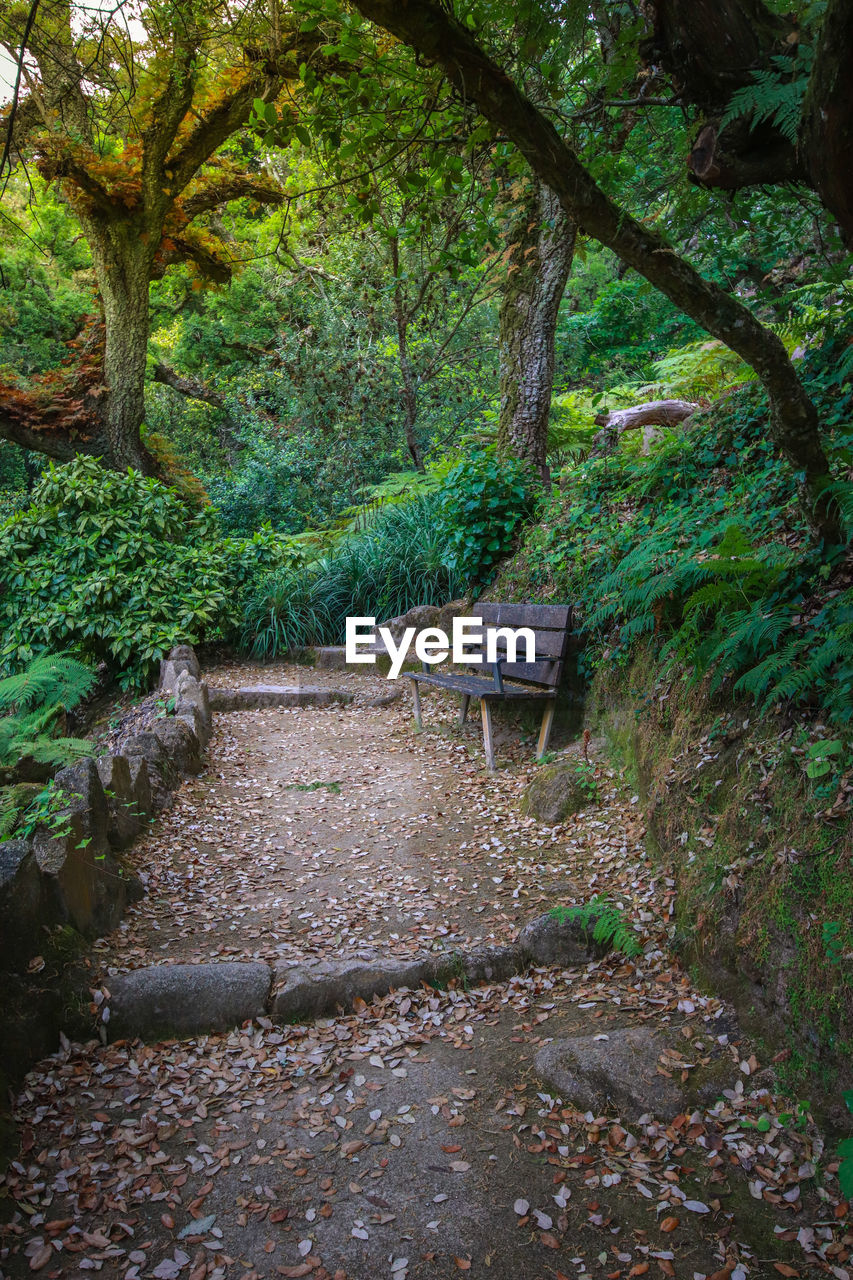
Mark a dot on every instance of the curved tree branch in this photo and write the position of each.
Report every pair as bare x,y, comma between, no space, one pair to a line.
441,39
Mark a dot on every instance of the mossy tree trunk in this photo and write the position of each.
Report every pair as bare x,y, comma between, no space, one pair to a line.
541,248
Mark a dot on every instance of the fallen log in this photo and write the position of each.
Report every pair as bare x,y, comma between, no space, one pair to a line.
654,413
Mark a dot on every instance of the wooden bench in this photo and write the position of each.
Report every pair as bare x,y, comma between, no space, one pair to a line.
509,681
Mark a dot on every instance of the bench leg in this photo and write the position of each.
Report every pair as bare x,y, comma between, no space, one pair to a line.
488,741
545,730
463,707
416,697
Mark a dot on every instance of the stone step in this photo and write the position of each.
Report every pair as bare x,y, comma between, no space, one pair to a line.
253,697
165,1000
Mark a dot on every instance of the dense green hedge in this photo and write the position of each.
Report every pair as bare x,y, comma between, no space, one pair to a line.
116,568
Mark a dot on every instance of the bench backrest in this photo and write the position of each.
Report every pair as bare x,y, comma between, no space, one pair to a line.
550,623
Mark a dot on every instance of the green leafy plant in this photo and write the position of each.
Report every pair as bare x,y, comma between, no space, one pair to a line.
604,920
820,757
833,942
584,772
398,562
112,566
484,502
775,95
34,701
798,1118
48,809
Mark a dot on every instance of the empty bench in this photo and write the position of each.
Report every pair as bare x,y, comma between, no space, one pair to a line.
508,681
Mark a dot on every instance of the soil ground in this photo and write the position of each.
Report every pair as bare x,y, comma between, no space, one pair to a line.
411,1137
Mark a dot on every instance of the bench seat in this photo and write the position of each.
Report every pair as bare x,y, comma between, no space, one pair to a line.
511,680
479,687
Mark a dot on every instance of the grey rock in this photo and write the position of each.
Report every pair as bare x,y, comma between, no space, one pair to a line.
556,792
252,698
13,854
22,905
145,746
191,717
179,743
162,775
85,798
84,883
124,820
193,695
549,940
330,657
181,658
492,964
426,615
186,653
187,999
140,786
310,990
617,1074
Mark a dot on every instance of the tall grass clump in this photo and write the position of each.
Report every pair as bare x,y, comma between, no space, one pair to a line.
400,561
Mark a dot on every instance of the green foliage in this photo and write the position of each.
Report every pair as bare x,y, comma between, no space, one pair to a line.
819,754
46,291
700,551
284,612
48,809
113,567
584,771
484,502
33,701
605,921
398,562
776,95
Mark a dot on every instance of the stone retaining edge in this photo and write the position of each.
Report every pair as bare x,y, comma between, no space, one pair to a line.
169,1001
76,878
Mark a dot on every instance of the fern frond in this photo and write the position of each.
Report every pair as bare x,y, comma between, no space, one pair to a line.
605,921
49,680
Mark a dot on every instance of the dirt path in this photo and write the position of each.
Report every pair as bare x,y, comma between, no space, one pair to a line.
411,1138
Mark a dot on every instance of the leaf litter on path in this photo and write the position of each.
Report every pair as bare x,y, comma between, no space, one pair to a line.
262,1152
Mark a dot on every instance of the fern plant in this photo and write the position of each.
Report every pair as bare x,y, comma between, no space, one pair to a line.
605,921
34,701
775,95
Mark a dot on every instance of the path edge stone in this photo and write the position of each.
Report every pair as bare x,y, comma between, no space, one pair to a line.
300,993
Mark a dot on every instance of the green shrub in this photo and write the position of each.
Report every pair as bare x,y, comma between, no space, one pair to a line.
31,714
483,503
284,612
400,561
252,559
113,567
605,921
702,552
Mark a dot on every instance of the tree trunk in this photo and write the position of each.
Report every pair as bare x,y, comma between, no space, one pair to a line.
440,39
713,47
123,268
826,133
541,250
